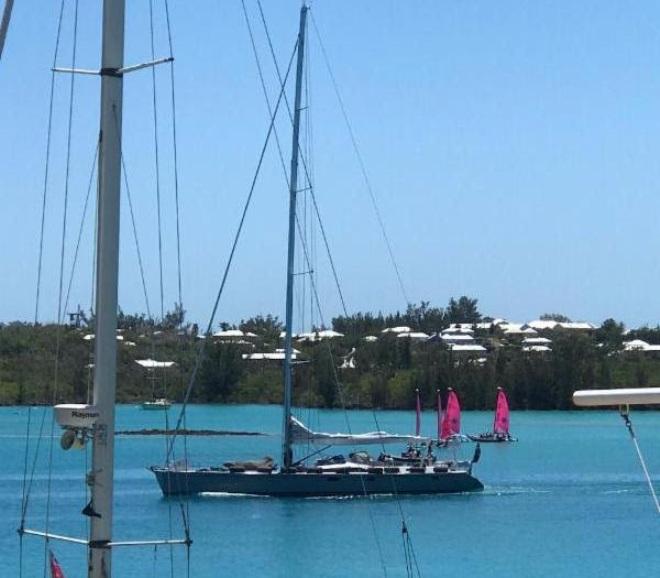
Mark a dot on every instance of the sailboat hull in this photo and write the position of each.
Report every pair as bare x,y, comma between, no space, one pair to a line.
304,484
492,438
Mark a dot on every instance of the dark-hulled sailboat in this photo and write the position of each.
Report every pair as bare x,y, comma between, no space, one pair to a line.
359,474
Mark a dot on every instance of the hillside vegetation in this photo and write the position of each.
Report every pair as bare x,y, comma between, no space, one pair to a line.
383,372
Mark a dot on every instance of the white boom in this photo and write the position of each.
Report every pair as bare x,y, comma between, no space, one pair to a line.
627,396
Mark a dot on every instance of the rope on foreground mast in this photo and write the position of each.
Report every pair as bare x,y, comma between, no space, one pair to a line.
625,414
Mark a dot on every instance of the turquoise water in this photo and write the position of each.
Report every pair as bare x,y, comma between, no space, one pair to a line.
567,500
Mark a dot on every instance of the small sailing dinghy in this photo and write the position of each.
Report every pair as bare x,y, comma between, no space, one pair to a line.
158,404
500,431
450,421
336,476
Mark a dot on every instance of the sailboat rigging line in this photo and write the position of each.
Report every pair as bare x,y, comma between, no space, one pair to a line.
23,498
160,243
82,227
202,346
157,160
58,333
361,163
174,153
342,400
49,133
4,23
134,227
626,419
302,156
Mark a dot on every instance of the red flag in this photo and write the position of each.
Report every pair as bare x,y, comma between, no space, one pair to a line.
55,568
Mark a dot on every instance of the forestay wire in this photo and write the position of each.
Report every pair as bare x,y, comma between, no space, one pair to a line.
202,346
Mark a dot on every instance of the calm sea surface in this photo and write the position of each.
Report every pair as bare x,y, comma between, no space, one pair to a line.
567,500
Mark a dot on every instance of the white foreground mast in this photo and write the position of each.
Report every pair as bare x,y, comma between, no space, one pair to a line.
293,193
105,369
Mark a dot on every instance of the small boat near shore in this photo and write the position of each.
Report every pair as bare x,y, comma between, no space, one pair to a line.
501,423
159,404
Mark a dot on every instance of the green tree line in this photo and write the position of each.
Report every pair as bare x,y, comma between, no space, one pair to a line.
50,364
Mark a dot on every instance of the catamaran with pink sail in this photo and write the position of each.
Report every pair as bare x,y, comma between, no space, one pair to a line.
501,423
450,420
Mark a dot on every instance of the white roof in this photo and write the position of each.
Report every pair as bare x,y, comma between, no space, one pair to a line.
457,337
153,364
472,347
536,341
577,325
277,356
329,334
229,334
370,338
516,329
639,345
401,329
460,328
91,336
537,348
414,335
542,324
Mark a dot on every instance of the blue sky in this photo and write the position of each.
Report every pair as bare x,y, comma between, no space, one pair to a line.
513,147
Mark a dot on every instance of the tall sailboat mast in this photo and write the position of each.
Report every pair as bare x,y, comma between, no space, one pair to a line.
293,192
105,369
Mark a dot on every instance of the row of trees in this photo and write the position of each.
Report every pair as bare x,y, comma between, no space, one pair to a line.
386,372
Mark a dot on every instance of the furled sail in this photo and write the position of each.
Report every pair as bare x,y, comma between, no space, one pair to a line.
501,424
301,434
451,420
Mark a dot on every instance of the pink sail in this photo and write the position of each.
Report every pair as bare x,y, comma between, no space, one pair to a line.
501,424
418,414
451,420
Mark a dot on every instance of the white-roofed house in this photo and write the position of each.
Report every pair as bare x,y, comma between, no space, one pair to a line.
536,341
640,345
467,349
457,338
577,325
517,330
543,324
459,328
536,348
414,335
400,329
